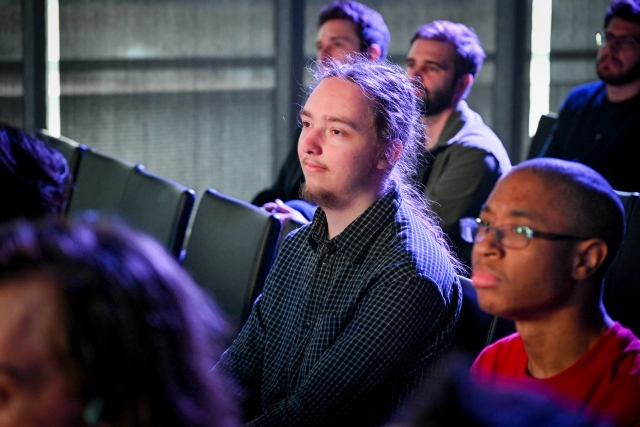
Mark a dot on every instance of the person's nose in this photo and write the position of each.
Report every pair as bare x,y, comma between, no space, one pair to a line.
487,244
612,45
323,54
310,141
415,74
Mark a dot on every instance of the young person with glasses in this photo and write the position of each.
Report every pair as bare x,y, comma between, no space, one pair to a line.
599,122
542,245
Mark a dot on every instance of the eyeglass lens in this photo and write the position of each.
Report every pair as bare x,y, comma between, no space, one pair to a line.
474,232
622,42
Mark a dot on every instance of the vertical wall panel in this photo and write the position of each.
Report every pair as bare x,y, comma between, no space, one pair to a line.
185,88
11,101
573,48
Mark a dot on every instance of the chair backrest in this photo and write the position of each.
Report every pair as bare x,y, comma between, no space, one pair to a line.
70,149
477,329
72,152
288,227
100,182
230,251
473,323
629,201
500,328
545,127
158,207
622,281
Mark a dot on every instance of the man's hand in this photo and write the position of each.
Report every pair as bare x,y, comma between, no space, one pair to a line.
284,211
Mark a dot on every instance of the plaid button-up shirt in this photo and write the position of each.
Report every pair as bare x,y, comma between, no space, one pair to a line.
349,327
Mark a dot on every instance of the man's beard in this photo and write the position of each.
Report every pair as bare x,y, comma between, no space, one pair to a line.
436,101
622,78
322,198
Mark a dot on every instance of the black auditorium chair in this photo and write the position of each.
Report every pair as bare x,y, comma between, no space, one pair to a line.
629,201
230,251
70,149
288,227
100,182
158,207
622,282
477,329
543,131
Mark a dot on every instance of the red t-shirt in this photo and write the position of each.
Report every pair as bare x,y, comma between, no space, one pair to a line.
604,382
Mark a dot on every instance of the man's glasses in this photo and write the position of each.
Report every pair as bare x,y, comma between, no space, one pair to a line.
621,42
474,230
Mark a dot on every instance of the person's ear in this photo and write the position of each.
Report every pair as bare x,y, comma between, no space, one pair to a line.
374,51
588,257
390,154
463,83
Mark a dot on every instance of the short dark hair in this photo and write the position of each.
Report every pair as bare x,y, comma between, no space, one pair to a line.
468,46
588,199
35,177
629,10
369,23
142,336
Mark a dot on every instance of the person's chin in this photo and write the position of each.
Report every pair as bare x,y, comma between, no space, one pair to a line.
609,71
318,196
606,70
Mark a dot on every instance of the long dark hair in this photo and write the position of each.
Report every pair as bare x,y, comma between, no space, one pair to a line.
396,115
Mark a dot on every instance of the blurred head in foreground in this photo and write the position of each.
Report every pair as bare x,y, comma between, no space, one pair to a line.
454,399
99,326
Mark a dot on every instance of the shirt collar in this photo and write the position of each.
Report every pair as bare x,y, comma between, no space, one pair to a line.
354,239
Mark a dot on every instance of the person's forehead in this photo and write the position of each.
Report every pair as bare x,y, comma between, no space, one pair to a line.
30,316
621,26
432,50
342,28
335,98
340,90
524,194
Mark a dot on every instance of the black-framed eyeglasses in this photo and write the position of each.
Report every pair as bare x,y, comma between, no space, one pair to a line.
474,230
621,42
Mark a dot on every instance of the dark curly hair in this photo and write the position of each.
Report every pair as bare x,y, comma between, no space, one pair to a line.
35,177
142,336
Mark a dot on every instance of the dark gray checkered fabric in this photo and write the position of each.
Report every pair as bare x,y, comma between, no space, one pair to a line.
349,327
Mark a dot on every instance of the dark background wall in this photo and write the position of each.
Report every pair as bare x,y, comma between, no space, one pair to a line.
204,91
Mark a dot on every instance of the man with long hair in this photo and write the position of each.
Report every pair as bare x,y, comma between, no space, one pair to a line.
361,301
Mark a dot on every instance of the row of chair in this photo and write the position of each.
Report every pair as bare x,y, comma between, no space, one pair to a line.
622,282
230,247
232,244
